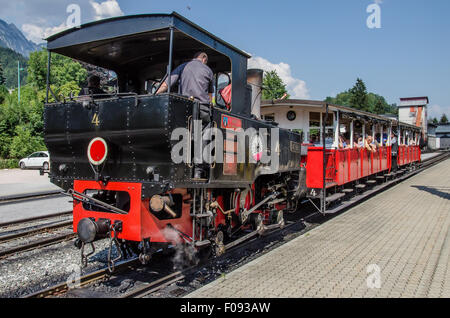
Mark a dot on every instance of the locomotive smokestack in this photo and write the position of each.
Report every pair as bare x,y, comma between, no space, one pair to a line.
255,79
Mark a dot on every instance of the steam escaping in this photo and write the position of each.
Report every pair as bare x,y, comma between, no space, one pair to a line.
185,254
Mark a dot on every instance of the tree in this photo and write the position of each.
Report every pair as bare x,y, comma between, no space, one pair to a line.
373,102
435,120
379,107
24,142
3,93
9,59
444,119
63,70
273,86
358,98
2,77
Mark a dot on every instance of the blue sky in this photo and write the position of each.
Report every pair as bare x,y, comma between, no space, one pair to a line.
320,46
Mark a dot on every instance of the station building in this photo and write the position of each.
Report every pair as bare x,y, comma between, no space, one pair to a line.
413,111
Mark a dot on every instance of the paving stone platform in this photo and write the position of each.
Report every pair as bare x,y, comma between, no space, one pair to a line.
403,232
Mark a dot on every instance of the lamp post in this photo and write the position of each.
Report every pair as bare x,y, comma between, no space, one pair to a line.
18,78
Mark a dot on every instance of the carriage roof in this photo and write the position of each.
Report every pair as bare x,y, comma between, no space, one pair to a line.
347,111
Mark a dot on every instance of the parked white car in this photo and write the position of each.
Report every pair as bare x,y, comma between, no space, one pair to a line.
40,159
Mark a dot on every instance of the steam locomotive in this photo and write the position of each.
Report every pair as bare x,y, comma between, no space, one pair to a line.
114,154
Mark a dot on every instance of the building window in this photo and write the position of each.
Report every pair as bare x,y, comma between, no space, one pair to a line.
269,117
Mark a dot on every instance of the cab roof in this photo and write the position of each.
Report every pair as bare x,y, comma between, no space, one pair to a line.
130,41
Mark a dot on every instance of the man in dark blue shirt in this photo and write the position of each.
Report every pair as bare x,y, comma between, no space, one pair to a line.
195,79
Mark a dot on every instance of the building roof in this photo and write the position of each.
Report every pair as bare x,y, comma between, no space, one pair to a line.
443,129
413,101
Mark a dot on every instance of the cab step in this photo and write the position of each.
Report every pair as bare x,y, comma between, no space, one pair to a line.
334,197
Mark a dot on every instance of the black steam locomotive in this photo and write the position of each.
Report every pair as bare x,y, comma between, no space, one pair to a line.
114,153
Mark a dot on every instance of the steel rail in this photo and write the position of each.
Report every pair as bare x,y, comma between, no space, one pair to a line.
36,230
84,280
36,218
7,199
36,244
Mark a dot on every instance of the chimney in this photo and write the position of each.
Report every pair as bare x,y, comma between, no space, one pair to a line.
255,79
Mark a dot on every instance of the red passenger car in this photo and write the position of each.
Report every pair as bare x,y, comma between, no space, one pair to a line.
360,146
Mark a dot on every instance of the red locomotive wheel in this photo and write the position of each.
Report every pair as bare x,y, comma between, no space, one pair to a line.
97,151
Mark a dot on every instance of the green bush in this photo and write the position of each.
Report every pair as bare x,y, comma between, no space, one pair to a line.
9,163
24,143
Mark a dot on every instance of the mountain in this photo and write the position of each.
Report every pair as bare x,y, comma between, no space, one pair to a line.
8,60
11,37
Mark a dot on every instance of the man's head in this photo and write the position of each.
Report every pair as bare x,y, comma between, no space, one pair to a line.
94,81
202,57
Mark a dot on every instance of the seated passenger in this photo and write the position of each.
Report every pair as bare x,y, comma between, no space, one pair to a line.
360,143
370,144
93,88
342,142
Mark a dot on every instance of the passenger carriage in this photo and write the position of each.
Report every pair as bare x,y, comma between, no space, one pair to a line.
318,121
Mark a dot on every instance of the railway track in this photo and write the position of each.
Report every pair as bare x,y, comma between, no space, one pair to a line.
36,244
35,219
32,230
8,199
61,288
159,283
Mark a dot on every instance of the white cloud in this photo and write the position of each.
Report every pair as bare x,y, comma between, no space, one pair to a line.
37,34
106,9
437,111
296,87
39,29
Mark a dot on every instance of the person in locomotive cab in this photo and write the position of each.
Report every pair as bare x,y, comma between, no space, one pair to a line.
195,79
93,88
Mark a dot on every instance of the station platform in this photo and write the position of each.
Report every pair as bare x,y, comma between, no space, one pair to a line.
396,244
426,156
16,182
